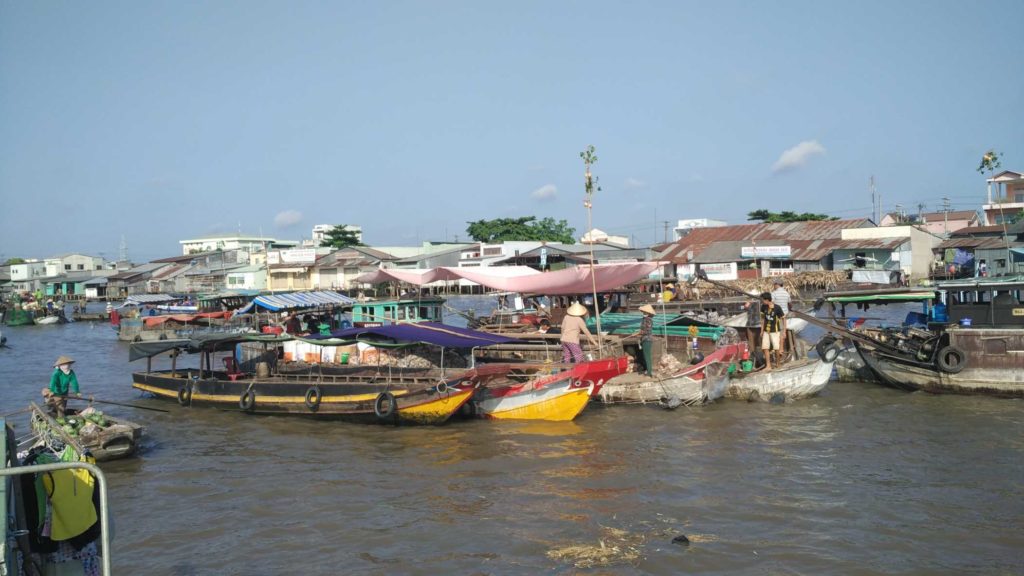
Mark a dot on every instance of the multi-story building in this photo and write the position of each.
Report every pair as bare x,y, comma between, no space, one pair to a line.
240,242
1008,202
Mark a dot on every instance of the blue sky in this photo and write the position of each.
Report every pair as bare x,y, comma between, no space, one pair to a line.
160,121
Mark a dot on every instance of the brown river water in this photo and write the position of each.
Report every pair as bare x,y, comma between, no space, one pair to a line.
860,480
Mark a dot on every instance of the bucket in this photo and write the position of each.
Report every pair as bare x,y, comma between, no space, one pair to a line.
747,366
965,322
732,367
344,358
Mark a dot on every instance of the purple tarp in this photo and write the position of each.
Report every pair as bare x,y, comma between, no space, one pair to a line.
426,332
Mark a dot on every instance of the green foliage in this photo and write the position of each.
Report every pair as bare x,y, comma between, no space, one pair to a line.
990,162
341,237
11,261
787,216
521,229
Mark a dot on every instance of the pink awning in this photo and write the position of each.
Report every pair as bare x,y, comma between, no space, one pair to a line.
574,280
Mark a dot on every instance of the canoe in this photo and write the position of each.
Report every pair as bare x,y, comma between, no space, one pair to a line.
540,391
792,381
359,394
114,438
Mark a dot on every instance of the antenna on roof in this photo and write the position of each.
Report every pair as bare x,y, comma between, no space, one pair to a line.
122,253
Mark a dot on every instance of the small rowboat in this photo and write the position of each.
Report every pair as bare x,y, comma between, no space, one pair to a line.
798,379
89,431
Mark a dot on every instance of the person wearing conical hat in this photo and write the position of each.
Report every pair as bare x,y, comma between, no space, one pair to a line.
647,337
62,382
572,326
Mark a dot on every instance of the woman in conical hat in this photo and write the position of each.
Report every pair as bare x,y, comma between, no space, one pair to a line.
647,338
62,382
572,326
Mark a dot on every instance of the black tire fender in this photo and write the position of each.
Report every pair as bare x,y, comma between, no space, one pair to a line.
830,354
823,346
384,405
951,359
247,401
185,395
313,397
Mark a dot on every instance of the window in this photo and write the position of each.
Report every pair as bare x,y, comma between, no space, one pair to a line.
1001,262
860,259
81,266
67,267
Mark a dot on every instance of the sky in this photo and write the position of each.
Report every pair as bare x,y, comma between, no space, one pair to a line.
154,122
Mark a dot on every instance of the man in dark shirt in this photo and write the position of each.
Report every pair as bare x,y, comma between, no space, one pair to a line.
771,330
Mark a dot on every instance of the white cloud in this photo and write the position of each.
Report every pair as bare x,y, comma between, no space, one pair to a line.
287,218
545,192
798,155
634,184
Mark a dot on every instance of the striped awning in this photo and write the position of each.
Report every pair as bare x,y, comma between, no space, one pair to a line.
297,300
144,299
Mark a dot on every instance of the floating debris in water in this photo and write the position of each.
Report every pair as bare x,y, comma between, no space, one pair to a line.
681,540
615,547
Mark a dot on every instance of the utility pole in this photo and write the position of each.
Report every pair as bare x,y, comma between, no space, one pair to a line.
899,213
876,203
945,216
920,211
666,223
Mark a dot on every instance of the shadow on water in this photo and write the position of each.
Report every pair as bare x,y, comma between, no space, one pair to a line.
860,480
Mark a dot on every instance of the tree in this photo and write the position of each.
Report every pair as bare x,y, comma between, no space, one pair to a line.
523,228
12,261
341,237
787,216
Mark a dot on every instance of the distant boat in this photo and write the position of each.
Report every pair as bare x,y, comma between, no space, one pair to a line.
46,320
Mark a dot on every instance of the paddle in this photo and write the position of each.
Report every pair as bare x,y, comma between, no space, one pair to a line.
118,404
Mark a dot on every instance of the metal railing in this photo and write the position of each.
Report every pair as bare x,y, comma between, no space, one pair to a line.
104,510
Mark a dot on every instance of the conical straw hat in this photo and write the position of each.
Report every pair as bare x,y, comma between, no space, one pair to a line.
63,360
647,308
576,309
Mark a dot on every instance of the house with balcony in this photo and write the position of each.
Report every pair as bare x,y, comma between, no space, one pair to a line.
338,269
232,241
1005,201
27,276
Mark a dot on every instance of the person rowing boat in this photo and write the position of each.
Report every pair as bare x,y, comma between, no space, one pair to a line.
62,382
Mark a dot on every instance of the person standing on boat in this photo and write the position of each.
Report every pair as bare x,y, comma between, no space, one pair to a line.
771,328
62,382
781,298
647,338
572,326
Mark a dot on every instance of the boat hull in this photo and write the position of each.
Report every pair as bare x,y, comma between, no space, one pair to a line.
559,403
351,399
791,382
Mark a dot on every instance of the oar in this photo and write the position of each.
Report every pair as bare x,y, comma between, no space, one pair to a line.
15,412
118,404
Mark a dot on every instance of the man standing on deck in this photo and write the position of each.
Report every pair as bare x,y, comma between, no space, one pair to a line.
772,318
781,297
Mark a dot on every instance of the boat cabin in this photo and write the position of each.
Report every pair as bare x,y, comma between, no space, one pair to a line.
382,312
985,302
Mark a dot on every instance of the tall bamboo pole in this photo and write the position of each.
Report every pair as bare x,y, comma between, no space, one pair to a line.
590,158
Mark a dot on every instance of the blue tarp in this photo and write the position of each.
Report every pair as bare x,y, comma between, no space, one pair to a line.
425,332
296,301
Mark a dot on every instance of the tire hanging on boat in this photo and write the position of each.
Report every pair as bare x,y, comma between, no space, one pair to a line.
441,387
823,346
185,395
248,400
830,354
384,405
951,359
313,397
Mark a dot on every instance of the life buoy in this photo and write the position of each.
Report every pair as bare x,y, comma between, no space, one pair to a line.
248,400
313,397
951,359
384,405
441,387
185,395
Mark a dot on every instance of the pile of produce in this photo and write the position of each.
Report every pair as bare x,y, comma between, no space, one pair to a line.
78,423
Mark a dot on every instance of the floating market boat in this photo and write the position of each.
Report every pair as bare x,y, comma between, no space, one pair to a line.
89,432
540,391
693,385
977,349
362,393
791,381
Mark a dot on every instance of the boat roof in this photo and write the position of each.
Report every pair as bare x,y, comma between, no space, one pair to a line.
986,283
297,301
417,333
887,295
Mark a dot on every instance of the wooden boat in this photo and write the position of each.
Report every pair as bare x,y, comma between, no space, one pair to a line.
47,320
792,381
687,386
974,345
538,391
105,437
18,316
381,394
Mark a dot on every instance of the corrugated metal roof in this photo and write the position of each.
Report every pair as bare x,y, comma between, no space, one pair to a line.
975,230
985,242
297,300
770,234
